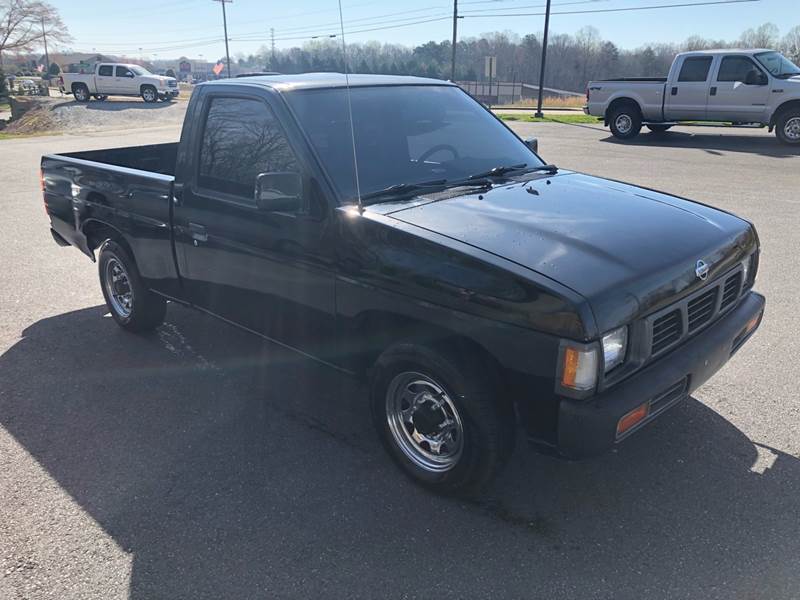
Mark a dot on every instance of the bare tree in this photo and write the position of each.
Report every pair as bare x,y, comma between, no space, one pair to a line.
24,23
763,36
791,44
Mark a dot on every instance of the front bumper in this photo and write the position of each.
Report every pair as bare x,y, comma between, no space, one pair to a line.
589,427
172,92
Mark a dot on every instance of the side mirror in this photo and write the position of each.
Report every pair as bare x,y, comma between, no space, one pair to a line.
279,192
755,77
532,143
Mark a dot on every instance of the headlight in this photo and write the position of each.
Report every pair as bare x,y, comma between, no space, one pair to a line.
614,345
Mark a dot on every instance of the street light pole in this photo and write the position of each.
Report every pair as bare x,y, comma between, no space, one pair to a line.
538,113
225,26
455,37
46,55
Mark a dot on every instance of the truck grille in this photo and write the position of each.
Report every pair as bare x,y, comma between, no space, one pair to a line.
172,83
687,316
666,330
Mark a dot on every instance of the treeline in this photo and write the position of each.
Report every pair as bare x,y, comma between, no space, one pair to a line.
572,60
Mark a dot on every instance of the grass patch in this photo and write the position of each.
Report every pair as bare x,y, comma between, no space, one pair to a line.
551,119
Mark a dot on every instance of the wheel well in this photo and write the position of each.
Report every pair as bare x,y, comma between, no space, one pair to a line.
79,84
97,232
788,105
146,85
379,330
618,102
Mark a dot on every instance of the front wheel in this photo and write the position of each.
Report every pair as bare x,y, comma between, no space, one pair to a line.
149,94
132,305
787,127
625,122
441,417
656,128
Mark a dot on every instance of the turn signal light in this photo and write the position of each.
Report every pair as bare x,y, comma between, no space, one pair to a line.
633,418
579,371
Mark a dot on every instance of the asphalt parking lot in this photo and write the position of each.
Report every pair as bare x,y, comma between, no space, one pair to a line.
199,462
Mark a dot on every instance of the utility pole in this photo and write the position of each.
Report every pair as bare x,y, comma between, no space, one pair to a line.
272,44
538,113
455,38
225,26
46,55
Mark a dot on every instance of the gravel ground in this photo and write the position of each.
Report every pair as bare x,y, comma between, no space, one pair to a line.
198,462
64,115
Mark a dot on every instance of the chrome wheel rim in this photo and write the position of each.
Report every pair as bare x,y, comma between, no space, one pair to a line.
624,123
81,94
118,288
149,95
792,129
424,422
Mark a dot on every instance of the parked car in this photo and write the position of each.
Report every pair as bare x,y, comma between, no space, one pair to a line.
733,86
116,79
474,285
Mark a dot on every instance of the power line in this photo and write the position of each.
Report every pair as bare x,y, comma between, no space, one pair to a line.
610,10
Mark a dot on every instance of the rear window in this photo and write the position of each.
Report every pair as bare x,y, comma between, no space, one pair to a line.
106,71
695,68
241,139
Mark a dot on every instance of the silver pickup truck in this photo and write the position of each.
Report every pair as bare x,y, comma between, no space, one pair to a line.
733,86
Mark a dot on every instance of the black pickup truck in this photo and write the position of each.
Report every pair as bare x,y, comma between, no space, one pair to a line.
476,287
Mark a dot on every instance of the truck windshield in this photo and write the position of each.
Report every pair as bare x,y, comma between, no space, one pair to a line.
404,135
777,64
141,71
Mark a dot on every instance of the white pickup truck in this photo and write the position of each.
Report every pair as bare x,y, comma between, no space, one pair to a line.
119,79
734,86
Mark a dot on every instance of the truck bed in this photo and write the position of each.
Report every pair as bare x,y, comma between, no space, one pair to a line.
156,158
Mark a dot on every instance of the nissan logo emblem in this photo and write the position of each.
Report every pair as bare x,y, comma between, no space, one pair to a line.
701,270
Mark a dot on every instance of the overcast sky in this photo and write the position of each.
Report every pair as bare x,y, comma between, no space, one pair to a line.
171,28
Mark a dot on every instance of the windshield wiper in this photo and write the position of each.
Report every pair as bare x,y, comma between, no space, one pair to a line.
400,189
510,168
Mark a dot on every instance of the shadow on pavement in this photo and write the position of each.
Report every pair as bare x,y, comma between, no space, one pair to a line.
713,142
228,467
116,105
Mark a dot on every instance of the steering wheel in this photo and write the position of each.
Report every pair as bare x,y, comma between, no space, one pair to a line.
431,151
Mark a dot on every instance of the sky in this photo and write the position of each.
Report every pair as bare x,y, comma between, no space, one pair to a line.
161,29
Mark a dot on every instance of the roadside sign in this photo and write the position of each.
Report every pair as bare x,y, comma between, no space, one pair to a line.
490,66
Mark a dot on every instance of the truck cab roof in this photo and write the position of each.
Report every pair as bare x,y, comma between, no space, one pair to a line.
328,80
745,51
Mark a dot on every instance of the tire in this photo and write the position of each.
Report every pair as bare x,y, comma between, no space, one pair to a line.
655,128
101,97
787,127
625,121
450,390
81,92
132,305
149,93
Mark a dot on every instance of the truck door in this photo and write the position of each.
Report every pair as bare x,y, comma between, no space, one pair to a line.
125,81
687,97
268,270
740,91
104,79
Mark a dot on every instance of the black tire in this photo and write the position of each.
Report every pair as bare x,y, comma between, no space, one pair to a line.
101,97
81,93
625,121
655,128
146,310
487,420
149,93
787,127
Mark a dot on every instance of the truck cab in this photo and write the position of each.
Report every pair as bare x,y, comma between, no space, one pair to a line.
119,79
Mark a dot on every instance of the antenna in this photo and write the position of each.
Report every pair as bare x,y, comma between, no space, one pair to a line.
350,111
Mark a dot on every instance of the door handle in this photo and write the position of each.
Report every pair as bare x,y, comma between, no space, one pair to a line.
713,91
198,233
675,91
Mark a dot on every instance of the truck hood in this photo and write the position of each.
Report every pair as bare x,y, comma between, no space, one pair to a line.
627,250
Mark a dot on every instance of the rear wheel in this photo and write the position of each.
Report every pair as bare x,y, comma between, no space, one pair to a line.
81,92
441,417
625,121
656,128
149,93
132,305
787,127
